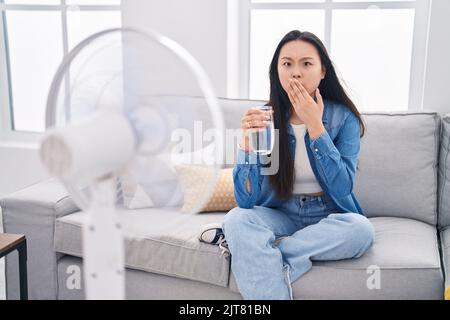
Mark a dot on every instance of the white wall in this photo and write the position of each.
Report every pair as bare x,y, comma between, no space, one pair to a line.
437,83
200,26
197,25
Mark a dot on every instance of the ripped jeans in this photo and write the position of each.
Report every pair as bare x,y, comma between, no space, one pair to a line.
272,247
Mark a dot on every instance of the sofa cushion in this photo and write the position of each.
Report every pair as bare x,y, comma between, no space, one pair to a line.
159,241
397,169
444,174
194,181
405,252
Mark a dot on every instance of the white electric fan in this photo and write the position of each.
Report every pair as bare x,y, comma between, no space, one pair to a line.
134,102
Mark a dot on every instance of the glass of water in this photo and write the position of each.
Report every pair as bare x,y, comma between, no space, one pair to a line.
262,141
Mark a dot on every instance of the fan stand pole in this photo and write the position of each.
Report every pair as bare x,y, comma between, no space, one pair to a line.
103,252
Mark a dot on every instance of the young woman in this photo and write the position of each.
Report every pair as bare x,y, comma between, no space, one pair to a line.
306,210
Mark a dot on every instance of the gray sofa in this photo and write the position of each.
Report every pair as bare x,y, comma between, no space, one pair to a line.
403,185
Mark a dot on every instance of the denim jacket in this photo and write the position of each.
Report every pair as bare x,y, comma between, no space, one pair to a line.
333,157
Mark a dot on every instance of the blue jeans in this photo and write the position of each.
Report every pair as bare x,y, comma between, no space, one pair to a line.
273,247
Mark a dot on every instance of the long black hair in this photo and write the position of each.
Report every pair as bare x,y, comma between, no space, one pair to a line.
330,88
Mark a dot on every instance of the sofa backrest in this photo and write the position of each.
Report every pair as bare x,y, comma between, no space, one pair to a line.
444,174
398,162
398,165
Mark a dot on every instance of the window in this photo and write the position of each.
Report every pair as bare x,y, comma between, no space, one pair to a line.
34,37
378,47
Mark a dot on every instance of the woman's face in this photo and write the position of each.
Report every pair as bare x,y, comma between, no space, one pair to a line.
300,60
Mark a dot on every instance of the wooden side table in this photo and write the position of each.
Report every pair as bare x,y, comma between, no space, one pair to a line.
9,243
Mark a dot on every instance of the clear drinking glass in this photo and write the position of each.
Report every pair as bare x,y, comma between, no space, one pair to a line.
263,140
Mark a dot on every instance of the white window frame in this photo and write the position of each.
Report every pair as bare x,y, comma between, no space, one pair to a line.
238,40
9,136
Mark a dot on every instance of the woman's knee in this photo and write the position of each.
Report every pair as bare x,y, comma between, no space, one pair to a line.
363,230
234,219
359,229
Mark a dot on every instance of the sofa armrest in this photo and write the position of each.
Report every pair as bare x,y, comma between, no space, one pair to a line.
32,211
445,252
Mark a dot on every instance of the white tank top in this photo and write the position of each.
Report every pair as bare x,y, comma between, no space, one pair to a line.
305,180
